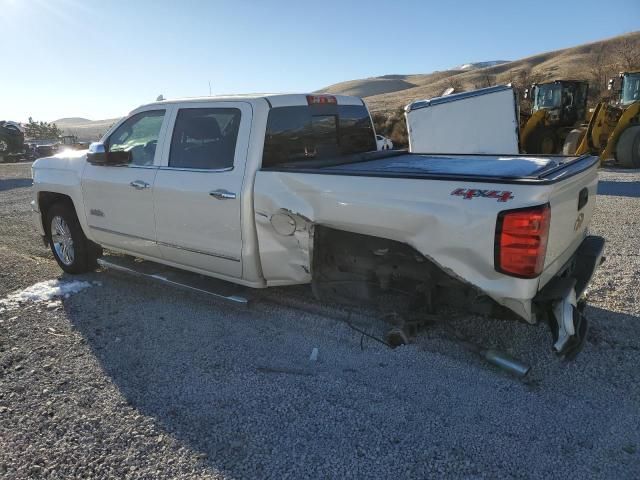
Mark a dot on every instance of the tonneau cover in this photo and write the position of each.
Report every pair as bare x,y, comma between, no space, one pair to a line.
508,166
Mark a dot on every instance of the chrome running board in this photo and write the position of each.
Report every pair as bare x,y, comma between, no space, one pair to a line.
194,282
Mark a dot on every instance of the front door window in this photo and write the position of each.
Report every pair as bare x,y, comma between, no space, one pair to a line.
138,135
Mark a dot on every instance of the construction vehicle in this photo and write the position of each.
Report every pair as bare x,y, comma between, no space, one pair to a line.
558,107
11,141
613,131
71,142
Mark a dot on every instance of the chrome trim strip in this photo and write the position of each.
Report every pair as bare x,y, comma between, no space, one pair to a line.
164,244
202,170
217,255
125,165
113,232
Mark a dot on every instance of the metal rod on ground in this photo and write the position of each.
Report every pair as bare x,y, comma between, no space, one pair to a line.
497,358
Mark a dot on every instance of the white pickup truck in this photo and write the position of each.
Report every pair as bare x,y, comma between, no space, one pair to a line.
288,189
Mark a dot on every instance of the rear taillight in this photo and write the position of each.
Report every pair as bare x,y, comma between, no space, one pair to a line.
521,241
321,100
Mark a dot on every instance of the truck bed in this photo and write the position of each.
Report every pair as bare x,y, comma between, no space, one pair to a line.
481,168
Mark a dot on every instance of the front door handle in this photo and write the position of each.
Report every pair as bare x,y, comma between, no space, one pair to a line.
222,194
139,184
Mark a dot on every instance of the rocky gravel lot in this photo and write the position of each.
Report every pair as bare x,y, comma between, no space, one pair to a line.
129,379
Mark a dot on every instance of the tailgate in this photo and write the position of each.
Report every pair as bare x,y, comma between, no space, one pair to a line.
572,204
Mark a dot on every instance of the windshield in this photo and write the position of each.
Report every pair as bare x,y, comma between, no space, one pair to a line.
548,96
631,88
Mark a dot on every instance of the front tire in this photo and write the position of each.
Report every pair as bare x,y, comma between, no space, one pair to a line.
628,148
69,245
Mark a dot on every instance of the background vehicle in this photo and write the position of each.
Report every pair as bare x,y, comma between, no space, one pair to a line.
71,141
558,107
45,150
613,132
288,189
383,143
11,141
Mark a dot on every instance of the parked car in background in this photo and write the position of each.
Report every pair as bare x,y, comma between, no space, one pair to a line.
46,150
383,142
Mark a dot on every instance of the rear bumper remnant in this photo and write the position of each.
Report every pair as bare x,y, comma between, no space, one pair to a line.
559,298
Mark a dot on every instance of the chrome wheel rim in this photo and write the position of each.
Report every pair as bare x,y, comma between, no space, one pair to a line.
62,240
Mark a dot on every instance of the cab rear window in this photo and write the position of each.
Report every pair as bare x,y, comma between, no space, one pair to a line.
316,132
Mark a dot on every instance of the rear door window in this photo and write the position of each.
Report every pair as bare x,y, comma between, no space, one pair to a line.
205,138
316,132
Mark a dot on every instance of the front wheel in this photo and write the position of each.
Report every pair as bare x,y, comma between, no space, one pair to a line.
70,247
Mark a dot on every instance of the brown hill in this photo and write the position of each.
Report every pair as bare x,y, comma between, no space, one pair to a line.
593,61
86,130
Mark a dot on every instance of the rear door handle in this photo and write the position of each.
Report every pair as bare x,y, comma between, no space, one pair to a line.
139,184
222,194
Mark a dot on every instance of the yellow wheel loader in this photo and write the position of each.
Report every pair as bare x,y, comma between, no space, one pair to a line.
558,107
613,132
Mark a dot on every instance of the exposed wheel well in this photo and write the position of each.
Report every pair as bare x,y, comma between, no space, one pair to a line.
47,199
354,268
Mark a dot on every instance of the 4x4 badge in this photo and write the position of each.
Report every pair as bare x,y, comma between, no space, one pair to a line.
469,193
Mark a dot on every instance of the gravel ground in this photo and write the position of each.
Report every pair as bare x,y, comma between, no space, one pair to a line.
130,379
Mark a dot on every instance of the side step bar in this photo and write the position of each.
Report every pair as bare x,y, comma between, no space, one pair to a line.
177,278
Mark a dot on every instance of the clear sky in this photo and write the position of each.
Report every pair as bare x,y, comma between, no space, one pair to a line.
101,58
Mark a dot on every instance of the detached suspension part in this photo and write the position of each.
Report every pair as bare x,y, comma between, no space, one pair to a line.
569,326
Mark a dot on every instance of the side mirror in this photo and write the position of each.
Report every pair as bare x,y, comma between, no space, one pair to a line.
529,93
98,155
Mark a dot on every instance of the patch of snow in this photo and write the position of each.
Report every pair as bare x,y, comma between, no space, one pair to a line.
54,304
477,65
314,355
43,292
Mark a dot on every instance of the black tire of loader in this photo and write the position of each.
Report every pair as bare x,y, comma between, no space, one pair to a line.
539,139
628,148
573,140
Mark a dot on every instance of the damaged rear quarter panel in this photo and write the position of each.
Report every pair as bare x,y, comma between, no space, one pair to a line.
455,233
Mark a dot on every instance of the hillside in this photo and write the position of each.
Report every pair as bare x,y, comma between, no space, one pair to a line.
61,122
86,130
593,61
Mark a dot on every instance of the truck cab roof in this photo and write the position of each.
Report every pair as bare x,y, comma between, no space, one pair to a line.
273,99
